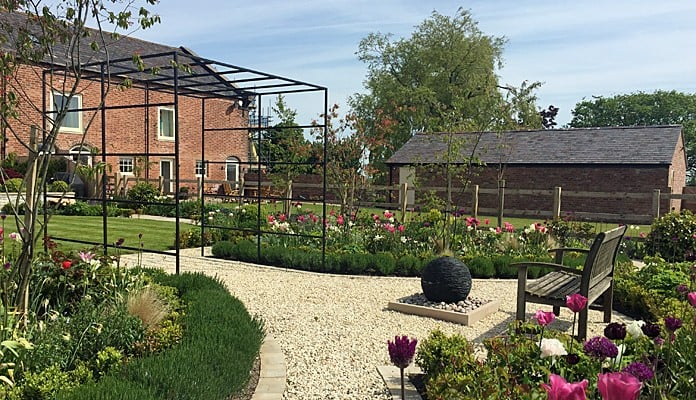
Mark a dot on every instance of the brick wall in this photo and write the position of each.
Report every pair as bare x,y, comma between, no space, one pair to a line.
131,131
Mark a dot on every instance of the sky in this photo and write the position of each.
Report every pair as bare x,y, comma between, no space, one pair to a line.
577,49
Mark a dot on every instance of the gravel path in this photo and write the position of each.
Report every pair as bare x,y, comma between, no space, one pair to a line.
333,329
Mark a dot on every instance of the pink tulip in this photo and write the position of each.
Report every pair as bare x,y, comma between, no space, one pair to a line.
618,386
576,302
560,389
692,298
544,318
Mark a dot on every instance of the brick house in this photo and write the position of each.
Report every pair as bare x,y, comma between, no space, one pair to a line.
610,160
196,115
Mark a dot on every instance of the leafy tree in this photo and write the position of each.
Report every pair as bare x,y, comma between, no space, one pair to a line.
53,33
440,79
640,108
287,151
348,169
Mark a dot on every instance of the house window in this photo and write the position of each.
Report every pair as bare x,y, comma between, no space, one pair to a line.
72,122
201,168
232,170
81,155
166,124
125,165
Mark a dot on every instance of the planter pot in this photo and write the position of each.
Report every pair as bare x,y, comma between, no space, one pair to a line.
446,279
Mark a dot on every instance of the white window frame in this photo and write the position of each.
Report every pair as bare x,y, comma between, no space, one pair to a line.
78,151
54,114
160,136
121,165
234,162
201,166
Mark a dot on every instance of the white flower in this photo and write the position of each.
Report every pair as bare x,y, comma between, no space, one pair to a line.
634,330
378,237
403,239
552,348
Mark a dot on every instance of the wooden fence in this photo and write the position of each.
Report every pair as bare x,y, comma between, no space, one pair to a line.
397,197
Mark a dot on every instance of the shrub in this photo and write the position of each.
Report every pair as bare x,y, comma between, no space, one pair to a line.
673,237
481,267
501,264
408,265
143,192
58,186
246,250
223,249
383,262
13,184
438,352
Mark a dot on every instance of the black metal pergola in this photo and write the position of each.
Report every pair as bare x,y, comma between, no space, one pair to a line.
181,73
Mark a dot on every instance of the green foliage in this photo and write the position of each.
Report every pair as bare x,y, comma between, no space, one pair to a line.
86,209
44,384
408,265
658,108
58,186
13,185
481,267
108,360
223,249
569,232
143,193
382,262
439,352
673,237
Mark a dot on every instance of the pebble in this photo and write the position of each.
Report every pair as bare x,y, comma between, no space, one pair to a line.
333,329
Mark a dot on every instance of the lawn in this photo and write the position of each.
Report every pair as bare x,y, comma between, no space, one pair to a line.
156,235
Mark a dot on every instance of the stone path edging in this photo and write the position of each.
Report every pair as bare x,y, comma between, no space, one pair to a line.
392,378
272,376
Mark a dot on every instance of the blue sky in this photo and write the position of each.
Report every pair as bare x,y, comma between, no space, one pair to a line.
577,49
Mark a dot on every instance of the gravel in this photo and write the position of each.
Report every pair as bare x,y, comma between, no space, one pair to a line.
333,329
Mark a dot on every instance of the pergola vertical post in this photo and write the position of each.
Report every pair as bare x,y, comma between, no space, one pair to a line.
501,201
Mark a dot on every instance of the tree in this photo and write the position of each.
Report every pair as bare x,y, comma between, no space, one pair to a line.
52,33
440,79
640,108
347,155
286,149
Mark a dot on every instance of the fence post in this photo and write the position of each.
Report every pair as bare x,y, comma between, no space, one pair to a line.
475,206
656,203
556,202
403,200
501,201
199,186
286,203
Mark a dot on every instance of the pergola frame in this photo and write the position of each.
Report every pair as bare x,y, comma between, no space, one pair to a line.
182,73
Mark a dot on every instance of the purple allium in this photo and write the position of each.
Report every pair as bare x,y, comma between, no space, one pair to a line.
119,242
402,350
681,289
651,330
615,331
672,323
639,370
7,265
600,347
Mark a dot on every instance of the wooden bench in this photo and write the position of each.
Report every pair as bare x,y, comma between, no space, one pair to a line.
593,281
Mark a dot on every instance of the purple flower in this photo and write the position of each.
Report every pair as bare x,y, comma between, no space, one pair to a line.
572,359
639,370
615,331
681,289
7,265
651,330
402,350
672,324
600,347
119,242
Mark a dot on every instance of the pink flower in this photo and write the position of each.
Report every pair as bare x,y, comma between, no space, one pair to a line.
271,219
576,302
401,228
560,389
508,227
642,234
498,230
486,221
388,214
618,386
282,217
692,298
339,220
301,218
544,318
86,257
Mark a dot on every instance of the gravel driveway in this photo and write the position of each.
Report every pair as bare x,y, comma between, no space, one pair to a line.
333,329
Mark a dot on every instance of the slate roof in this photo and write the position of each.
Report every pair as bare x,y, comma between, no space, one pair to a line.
614,145
206,78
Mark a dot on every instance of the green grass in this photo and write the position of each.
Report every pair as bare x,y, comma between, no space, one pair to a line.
157,235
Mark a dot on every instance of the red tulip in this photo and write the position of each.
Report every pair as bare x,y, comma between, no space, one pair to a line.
618,386
66,264
560,389
576,302
544,318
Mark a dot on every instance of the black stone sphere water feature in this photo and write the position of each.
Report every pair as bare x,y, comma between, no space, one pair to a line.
446,279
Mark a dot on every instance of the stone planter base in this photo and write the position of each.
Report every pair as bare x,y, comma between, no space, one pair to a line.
466,318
